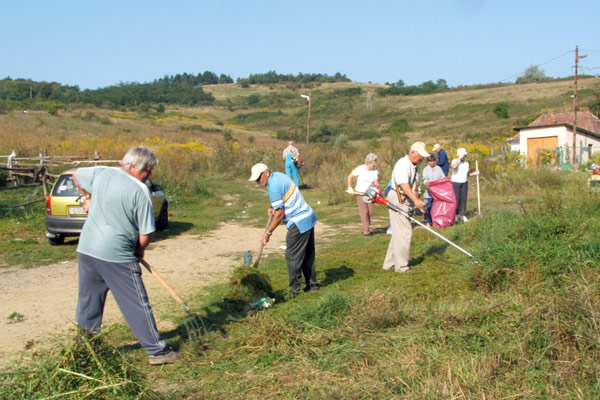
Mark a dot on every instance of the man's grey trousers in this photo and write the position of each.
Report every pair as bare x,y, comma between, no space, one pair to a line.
124,280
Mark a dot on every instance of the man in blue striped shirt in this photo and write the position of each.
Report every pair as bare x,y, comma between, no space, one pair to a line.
288,205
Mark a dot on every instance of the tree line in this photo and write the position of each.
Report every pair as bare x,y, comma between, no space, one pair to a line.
273,77
399,88
184,89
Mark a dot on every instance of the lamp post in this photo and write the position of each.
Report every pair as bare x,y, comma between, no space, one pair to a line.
307,97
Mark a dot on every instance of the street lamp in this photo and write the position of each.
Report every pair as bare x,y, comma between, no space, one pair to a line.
307,97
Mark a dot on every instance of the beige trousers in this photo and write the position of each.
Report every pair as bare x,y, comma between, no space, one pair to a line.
398,252
366,213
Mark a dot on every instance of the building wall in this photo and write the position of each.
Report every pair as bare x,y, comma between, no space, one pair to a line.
565,141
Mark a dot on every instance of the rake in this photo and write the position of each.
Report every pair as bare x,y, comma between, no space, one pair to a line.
193,323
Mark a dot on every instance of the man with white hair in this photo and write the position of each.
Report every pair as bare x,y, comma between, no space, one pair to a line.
119,227
405,180
288,205
442,158
292,159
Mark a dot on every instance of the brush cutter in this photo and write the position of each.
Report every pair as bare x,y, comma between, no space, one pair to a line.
193,324
373,195
260,249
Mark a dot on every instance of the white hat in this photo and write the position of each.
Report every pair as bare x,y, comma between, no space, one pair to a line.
420,148
436,146
461,152
257,169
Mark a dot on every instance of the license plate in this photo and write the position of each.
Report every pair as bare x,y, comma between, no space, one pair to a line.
76,211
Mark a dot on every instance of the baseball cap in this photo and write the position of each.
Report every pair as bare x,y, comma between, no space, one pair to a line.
257,169
461,152
420,148
436,146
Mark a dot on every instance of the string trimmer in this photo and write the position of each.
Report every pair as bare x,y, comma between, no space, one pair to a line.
373,195
193,324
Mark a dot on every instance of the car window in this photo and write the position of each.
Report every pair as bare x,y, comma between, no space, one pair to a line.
65,186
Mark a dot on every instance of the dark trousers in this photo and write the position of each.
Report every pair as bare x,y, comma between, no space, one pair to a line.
461,190
428,205
300,258
124,280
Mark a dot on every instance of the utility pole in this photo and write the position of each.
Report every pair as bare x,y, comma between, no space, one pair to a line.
575,105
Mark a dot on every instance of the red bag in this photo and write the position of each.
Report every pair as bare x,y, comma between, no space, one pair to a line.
444,202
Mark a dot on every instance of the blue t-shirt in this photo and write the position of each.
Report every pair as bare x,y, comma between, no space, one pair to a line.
443,162
121,210
284,193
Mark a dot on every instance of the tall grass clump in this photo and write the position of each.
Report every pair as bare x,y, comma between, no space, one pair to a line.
553,238
89,368
327,312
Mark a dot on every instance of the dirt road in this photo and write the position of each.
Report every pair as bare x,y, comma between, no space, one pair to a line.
46,296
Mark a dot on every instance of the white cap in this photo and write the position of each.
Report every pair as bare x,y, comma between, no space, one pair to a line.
461,152
436,146
257,169
420,148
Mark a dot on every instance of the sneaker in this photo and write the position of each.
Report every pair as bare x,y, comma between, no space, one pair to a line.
402,270
169,356
465,219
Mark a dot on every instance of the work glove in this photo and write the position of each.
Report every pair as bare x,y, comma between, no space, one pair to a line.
350,190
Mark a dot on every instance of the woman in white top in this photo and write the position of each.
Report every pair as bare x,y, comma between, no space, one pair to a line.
366,175
459,178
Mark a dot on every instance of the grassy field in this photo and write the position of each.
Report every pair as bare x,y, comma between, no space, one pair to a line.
520,320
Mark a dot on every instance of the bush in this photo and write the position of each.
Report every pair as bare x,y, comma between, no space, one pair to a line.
501,110
253,99
398,127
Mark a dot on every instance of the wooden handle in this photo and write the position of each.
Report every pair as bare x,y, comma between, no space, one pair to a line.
260,249
160,279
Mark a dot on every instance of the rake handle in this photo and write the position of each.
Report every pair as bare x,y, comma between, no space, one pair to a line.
164,283
260,249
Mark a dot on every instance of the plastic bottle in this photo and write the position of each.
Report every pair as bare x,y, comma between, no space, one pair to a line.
248,258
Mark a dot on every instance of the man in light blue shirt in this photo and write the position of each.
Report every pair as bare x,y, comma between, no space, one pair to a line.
119,227
288,205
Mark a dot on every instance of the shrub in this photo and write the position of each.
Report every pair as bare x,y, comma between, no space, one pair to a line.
501,110
341,141
253,99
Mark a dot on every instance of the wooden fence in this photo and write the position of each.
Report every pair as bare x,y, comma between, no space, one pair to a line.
38,171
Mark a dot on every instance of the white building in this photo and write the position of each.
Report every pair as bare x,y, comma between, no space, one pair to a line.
553,132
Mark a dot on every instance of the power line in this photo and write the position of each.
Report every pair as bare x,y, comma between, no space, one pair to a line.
539,65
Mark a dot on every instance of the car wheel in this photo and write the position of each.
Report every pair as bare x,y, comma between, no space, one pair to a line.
57,240
163,219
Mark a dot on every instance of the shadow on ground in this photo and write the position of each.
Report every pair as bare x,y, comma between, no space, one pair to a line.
175,228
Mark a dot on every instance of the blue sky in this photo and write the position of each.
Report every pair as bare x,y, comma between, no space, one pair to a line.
102,43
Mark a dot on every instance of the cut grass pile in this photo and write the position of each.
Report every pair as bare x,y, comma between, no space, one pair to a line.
88,368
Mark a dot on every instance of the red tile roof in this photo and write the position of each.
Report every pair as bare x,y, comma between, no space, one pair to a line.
585,120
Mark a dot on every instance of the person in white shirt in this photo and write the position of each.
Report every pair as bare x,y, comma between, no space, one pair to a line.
366,175
459,178
404,194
